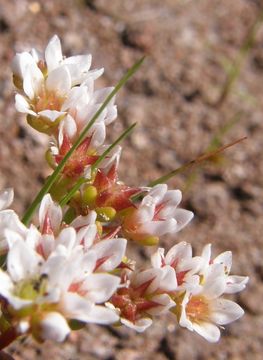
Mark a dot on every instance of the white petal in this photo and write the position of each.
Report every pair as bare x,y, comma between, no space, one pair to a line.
165,304
153,276
206,254
22,105
184,321
49,208
36,55
54,327
78,97
98,135
20,63
159,228
169,281
51,115
192,265
84,220
225,311
53,53
208,331
88,262
112,157
145,213
86,235
48,244
12,237
157,258
157,193
172,197
6,198
100,315
226,259
101,94
67,126
78,67
178,252
79,60
75,306
9,221
96,73
183,217
139,325
214,287
22,261
67,238
100,287
235,284
113,250
59,81
33,80
112,114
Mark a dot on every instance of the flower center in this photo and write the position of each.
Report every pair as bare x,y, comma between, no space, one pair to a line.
30,289
197,308
47,100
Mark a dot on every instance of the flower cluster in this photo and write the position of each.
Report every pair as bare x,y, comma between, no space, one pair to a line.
71,267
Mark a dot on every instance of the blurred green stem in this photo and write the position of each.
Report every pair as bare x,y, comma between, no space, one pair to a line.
238,63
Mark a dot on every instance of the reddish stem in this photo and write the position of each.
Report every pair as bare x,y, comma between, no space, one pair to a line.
8,337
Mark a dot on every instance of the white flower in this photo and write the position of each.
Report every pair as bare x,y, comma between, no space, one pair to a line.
180,258
206,312
143,295
65,283
234,283
51,88
8,219
156,215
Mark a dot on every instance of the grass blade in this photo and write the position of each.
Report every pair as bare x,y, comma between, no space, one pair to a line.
116,142
194,162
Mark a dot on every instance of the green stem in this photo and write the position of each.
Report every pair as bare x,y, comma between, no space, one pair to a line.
69,195
198,160
116,142
237,65
50,181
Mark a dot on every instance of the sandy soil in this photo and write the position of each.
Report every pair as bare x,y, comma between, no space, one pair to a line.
177,100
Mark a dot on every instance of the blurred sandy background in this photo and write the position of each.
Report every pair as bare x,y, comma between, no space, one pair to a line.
203,77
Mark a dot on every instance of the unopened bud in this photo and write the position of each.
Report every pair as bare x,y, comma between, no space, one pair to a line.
149,241
105,213
89,195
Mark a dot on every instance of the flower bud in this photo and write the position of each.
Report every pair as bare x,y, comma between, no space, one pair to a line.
105,213
89,195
